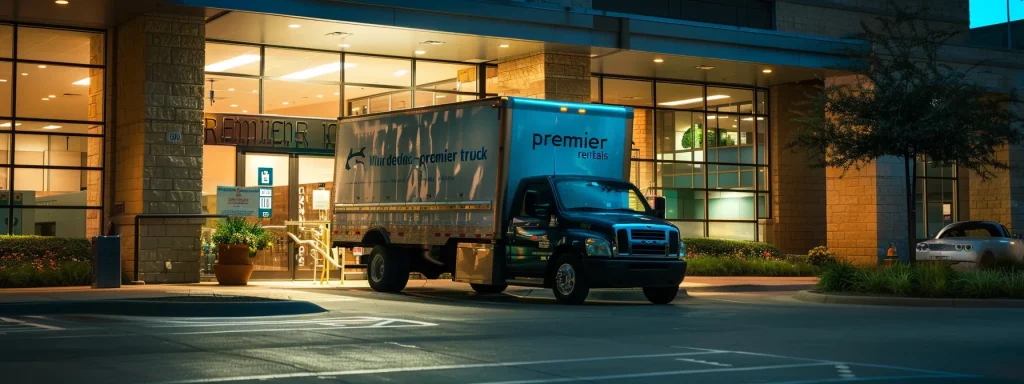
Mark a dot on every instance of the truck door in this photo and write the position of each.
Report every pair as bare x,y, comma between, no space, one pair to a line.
529,237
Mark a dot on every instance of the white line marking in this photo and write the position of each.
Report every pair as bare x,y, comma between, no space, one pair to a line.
875,378
654,374
26,323
848,364
429,368
401,345
278,330
847,375
704,362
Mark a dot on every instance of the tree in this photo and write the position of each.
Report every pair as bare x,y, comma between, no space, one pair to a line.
901,100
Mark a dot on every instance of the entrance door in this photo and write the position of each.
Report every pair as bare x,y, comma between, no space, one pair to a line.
271,171
315,203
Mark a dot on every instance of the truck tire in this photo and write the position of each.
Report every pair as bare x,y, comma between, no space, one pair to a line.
569,280
388,270
486,288
661,295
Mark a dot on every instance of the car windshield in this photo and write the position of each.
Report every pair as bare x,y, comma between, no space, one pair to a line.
971,229
592,195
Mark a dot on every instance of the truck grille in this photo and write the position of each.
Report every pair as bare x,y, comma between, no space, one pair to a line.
647,242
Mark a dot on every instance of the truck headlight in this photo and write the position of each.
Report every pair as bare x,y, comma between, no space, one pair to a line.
599,247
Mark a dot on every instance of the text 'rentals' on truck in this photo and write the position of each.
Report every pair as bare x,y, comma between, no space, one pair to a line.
503,190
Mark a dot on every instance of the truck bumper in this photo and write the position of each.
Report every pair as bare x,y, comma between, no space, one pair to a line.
610,273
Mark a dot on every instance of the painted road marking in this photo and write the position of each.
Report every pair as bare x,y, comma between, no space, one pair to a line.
704,362
347,322
653,374
429,368
11,325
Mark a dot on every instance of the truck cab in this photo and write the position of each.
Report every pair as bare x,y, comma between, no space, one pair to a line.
583,232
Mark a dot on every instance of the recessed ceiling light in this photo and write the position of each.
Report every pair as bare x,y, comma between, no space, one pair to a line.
52,96
293,26
317,71
659,60
319,96
693,100
42,66
420,52
254,91
344,45
767,70
236,61
9,124
24,73
284,102
84,81
337,93
46,99
439,96
400,72
234,105
245,111
53,127
61,2
503,45
231,89
704,67
3,80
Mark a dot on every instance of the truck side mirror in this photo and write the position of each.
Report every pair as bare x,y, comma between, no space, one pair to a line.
659,206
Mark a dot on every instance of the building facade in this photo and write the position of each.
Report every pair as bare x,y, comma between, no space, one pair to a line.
116,110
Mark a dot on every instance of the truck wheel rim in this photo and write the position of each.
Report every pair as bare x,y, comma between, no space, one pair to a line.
377,268
565,279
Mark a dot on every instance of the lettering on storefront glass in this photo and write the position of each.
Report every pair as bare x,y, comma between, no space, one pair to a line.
269,131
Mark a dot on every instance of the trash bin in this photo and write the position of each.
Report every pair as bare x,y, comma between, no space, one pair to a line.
106,261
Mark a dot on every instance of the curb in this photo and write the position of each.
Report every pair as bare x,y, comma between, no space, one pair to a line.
599,295
131,307
751,288
815,297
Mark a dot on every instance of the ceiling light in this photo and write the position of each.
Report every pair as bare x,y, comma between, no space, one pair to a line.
234,105
46,99
693,100
659,60
747,119
254,91
420,52
337,93
439,96
503,45
344,45
317,71
293,26
9,124
42,67
704,67
53,127
24,73
231,89
3,80
61,2
84,81
766,70
233,62
245,111
284,102
52,96
400,72
760,118
319,96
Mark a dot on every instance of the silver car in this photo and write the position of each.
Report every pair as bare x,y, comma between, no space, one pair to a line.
973,244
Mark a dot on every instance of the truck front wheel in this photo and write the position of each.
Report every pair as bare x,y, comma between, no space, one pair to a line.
388,271
569,281
661,295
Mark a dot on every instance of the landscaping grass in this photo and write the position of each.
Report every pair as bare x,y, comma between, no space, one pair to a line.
63,274
733,266
922,280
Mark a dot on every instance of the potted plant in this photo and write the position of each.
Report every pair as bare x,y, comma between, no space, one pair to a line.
237,241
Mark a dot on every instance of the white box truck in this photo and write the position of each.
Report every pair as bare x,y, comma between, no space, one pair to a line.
500,191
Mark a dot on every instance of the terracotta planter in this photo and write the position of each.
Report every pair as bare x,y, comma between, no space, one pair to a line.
233,265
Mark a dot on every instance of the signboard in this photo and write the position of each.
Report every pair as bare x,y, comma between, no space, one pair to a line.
266,202
265,177
321,199
238,201
173,137
300,134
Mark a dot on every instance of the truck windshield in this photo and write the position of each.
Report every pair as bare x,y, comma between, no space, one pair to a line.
591,195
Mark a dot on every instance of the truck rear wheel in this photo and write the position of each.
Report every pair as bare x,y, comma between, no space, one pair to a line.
486,288
569,281
661,295
388,271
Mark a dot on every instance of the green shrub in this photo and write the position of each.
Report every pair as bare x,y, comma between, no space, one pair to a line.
820,256
27,275
934,279
898,279
733,266
838,277
60,248
1014,284
737,248
981,284
237,231
871,281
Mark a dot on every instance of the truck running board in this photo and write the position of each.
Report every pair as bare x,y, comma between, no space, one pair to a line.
535,282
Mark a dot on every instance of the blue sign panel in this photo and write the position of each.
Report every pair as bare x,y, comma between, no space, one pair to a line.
265,177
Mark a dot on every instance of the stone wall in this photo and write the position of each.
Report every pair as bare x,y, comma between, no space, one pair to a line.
160,90
798,189
553,76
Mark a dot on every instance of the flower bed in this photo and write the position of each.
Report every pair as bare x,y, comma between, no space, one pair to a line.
922,280
719,257
35,261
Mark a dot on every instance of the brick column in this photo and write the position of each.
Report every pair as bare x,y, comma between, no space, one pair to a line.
159,90
798,190
553,76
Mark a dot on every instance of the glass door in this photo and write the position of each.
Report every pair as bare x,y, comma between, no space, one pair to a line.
271,171
314,203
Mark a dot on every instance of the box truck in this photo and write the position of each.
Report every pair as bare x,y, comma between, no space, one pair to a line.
500,191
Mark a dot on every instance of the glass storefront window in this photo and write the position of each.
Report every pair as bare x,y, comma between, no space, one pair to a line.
231,94
218,171
936,197
595,90
681,175
732,231
361,100
690,228
762,102
59,45
729,205
63,151
5,90
72,223
58,92
627,92
680,96
426,98
290,98
682,136
233,58
378,71
730,100
6,41
301,65
684,204
446,77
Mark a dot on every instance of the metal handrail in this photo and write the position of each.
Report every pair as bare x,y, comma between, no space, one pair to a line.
140,216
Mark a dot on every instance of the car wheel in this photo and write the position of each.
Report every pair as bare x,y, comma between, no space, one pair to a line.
988,261
661,295
488,289
569,281
388,270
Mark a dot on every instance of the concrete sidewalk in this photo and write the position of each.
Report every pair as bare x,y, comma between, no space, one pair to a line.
307,290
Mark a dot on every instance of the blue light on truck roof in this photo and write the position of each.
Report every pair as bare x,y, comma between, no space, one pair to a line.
565,106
